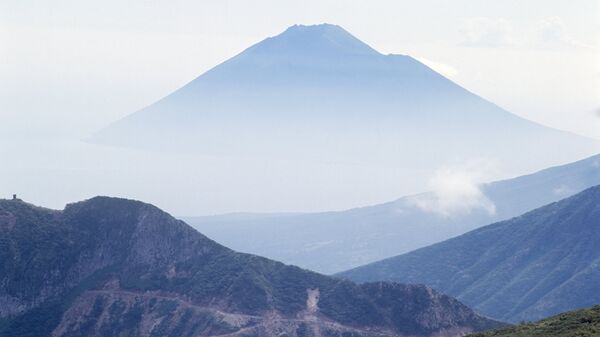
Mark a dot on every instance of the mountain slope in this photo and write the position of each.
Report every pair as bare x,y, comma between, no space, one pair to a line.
526,268
335,241
580,323
108,267
317,93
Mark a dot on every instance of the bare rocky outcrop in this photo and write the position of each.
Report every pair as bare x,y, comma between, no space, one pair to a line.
96,313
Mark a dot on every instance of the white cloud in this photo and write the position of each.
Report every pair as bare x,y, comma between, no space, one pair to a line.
552,33
442,68
456,190
547,33
563,191
488,32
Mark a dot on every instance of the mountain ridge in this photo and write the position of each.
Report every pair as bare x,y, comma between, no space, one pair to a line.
335,241
525,268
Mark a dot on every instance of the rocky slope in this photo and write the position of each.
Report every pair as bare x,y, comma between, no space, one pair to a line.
114,267
530,267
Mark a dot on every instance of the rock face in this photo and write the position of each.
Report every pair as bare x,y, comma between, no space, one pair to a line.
530,267
108,267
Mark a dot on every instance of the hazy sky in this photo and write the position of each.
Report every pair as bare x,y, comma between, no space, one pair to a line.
68,68
76,65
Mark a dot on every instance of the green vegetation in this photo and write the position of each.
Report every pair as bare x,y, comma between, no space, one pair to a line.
580,323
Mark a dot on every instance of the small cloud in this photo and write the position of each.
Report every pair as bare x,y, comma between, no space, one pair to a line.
597,112
487,32
456,190
562,191
548,33
552,33
442,68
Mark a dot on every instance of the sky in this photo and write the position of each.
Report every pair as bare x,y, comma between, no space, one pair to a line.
68,68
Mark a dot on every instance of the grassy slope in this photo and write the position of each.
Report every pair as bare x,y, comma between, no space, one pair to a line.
580,323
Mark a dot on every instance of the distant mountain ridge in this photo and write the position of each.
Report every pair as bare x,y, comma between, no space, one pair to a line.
526,268
115,267
332,242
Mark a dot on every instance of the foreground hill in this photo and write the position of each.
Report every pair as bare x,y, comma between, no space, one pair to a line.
580,323
530,267
114,267
335,241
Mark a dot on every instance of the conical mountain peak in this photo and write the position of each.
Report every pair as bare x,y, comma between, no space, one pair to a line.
320,83
321,39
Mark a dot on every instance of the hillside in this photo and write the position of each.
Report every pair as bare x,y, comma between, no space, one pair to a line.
332,242
580,323
108,267
526,268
